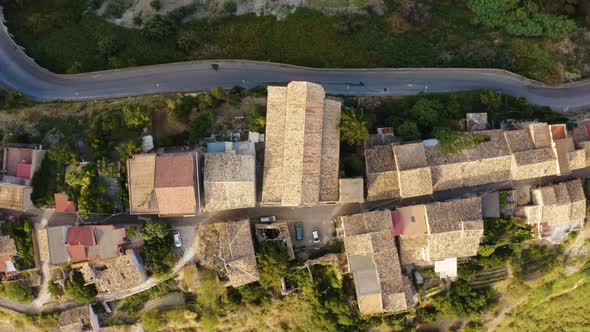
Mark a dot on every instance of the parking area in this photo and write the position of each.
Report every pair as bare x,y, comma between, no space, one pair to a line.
187,237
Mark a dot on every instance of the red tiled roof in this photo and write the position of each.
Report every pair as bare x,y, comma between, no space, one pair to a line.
77,253
175,170
587,128
23,171
63,204
83,235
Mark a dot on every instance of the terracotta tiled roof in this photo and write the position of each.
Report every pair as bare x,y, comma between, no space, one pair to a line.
77,253
63,204
83,235
175,184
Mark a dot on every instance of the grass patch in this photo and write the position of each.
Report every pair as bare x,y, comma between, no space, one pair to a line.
554,306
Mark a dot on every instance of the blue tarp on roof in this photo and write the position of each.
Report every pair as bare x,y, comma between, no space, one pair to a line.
216,147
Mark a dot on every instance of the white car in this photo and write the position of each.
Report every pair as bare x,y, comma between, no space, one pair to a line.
316,235
177,241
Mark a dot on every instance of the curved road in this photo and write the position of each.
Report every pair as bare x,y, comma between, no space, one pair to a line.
19,72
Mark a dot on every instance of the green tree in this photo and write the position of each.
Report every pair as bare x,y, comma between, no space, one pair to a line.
157,229
159,27
408,131
76,289
462,300
520,18
200,125
255,118
37,23
428,112
156,5
186,40
127,150
353,127
109,45
273,265
135,116
491,99
17,291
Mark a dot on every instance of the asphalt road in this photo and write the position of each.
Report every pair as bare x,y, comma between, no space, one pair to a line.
19,72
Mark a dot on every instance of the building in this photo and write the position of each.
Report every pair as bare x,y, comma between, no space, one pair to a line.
7,252
437,231
120,273
164,184
227,248
230,177
414,174
373,261
276,232
79,319
84,243
382,177
352,190
417,169
21,161
63,203
557,209
488,162
302,146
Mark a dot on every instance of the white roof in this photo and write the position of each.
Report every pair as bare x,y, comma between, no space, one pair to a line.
447,268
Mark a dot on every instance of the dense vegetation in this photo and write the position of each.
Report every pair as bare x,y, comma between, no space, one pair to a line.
425,115
17,291
442,34
561,302
133,304
12,99
158,253
21,231
76,289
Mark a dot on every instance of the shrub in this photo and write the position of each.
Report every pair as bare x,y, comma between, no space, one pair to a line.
525,19
12,99
116,8
462,300
135,116
152,320
159,27
76,289
256,119
200,125
353,127
273,265
21,231
109,45
159,258
408,131
17,291
156,5
55,290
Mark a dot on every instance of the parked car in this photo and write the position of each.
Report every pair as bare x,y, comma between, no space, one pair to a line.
316,235
268,219
299,231
177,241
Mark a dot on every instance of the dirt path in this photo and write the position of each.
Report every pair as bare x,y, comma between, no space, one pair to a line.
169,300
